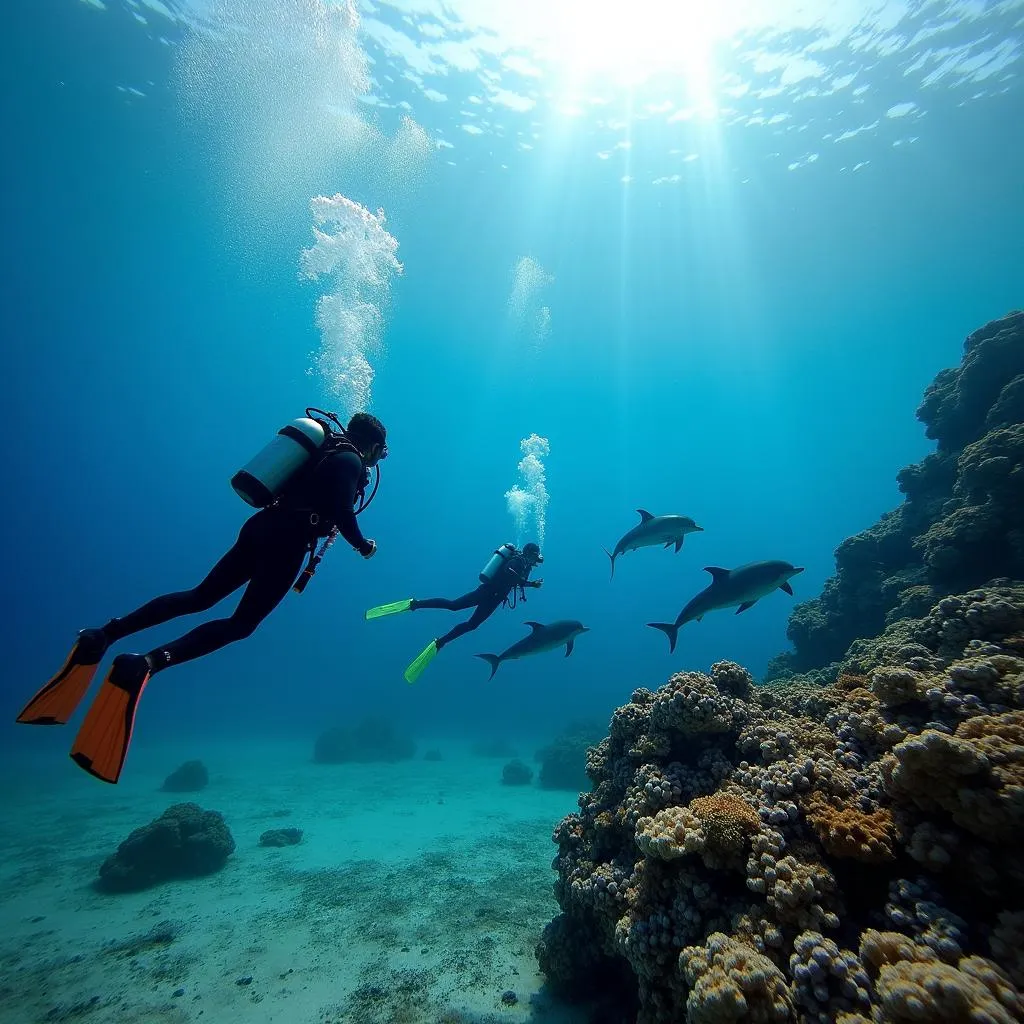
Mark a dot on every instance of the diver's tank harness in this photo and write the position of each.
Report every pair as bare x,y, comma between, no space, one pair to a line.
263,480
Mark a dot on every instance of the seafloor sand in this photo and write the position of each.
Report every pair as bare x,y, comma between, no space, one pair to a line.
417,894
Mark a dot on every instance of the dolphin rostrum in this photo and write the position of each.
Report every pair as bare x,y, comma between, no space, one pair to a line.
729,587
654,530
542,638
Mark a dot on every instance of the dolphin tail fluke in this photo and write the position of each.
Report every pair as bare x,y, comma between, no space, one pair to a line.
670,629
493,660
612,557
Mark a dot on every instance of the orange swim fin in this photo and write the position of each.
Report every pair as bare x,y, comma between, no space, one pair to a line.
102,742
56,702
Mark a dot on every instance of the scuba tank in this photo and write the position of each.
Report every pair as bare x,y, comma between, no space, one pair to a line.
261,480
496,562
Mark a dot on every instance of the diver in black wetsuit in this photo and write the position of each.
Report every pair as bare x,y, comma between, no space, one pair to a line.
505,578
266,559
512,578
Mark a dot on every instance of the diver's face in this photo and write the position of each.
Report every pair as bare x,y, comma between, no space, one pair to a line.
535,557
375,454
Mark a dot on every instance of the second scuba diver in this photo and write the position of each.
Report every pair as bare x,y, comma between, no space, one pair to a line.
309,484
505,578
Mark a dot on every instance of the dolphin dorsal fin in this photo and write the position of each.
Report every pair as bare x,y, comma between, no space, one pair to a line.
534,626
644,515
717,572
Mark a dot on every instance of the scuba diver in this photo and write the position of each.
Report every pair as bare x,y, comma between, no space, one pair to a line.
503,581
309,483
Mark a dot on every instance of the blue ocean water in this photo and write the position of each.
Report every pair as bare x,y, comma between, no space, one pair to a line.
712,260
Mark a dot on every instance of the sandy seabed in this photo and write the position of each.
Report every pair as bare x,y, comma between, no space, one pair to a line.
417,894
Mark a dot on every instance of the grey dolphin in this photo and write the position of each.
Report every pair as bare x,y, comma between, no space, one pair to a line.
742,586
542,638
653,530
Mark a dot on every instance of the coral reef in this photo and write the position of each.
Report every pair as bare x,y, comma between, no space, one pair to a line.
373,739
184,842
281,837
515,773
190,777
808,851
563,762
961,524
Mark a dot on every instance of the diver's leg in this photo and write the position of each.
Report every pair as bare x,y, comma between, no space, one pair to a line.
459,604
484,610
271,580
225,577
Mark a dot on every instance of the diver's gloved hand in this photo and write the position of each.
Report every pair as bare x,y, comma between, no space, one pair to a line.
369,550
536,583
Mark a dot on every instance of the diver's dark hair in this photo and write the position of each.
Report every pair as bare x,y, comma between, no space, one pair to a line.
366,430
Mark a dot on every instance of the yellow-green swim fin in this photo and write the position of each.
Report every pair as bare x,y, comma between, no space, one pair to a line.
426,656
389,609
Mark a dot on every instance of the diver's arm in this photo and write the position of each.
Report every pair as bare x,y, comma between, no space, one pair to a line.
339,498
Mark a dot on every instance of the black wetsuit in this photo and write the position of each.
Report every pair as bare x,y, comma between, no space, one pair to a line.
267,556
487,598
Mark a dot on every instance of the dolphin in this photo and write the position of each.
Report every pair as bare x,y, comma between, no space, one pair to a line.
729,587
653,530
542,638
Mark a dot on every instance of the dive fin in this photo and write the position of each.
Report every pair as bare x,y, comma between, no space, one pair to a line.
717,572
102,742
612,557
493,660
746,604
56,702
786,587
423,659
388,609
644,515
670,629
570,645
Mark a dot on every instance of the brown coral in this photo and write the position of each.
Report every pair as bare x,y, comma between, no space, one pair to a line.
727,822
732,983
846,831
976,775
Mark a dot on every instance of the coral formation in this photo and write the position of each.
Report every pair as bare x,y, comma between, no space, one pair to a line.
184,842
188,778
563,761
807,851
515,773
281,837
373,739
961,524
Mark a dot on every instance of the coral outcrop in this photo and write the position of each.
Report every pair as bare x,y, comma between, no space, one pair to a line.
811,853
184,842
371,740
515,773
190,777
961,524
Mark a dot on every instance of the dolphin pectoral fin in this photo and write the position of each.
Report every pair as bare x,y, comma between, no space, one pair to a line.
786,587
612,557
679,544
534,626
569,646
644,515
669,543
746,604
717,572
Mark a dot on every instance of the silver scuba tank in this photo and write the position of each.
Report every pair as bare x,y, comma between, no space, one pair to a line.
496,561
265,475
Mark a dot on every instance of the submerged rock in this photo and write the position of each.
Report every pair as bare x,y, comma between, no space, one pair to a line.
191,777
281,837
184,842
515,773
373,739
